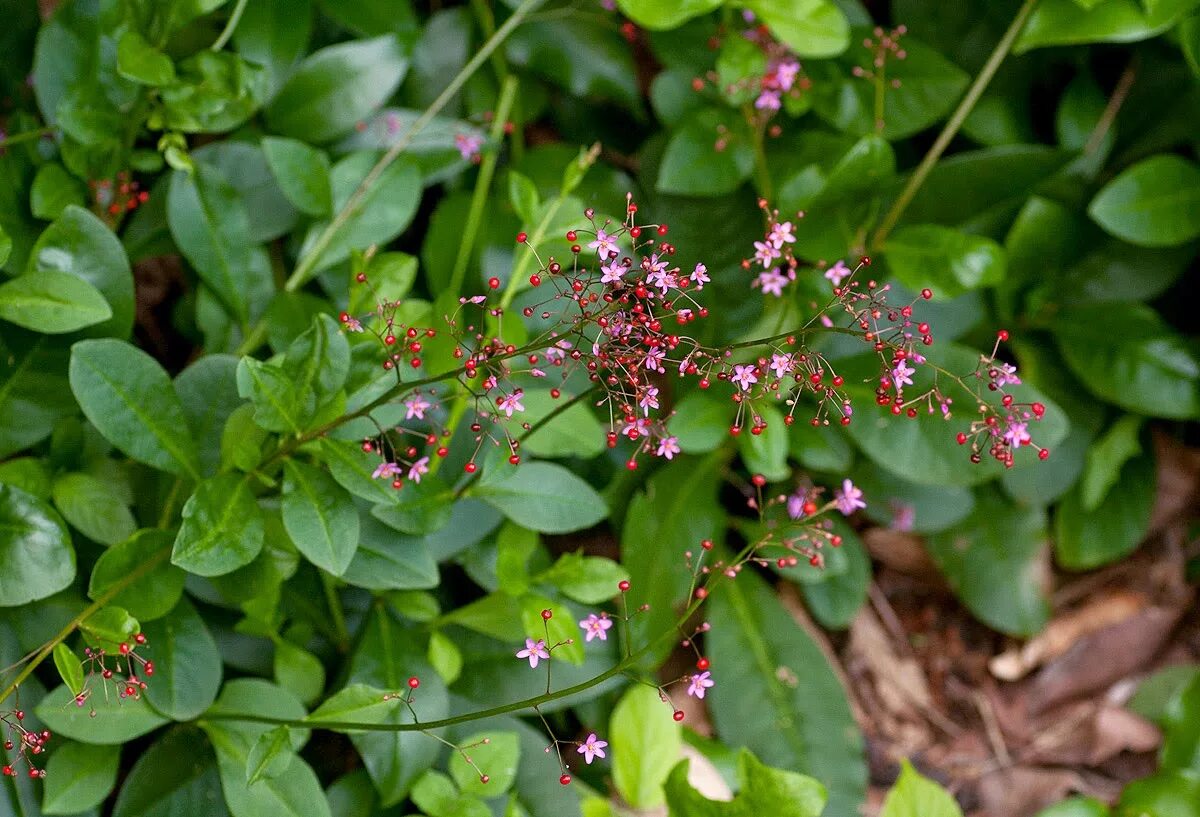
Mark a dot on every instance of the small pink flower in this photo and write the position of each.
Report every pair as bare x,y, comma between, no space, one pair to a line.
901,375
596,627
612,272
744,376
468,144
795,504
699,684
781,364
848,498
415,406
1006,373
418,469
782,234
649,399
772,282
534,651
510,403
1017,434
353,325
699,276
767,101
785,74
386,469
765,253
604,244
837,273
668,447
592,748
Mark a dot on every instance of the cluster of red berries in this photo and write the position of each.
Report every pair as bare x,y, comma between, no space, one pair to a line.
126,674
121,194
25,742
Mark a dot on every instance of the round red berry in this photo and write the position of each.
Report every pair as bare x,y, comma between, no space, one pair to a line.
522,238
565,780
623,586
414,682
678,715
702,664
494,282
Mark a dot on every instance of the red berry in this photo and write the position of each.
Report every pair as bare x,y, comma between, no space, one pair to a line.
1044,454
149,668
678,715
623,586
470,467
414,682
701,593
759,480
124,648
707,544
961,438
565,780
33,773
1002,334
535,280
483,778
702,664
139,638
547,615
494,282
522,238
571,235
662,229
927,294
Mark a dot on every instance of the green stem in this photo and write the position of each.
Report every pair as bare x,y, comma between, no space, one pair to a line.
335,612
230,25
955,122
27,136
483,185
72,625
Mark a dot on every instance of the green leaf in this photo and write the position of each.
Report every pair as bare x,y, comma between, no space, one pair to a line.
211,227
275,34
217,91
572,433
811,28
317,363
523,196
319,516
222,527
352,467
155,591
1106,457
1126,354
776,694
270,756
762,790
81,244
302,172
560,629
356,703
98,721
646,742
835,601
497,757
542,496
391,276
766,453
383,212
336,87
35,549
1066,22
298,671
1076,807
52,302
445,656
277,404
1181,749
129,399
701,422
208,391
418,508
92,507
1155,203
588,61
141,62
187,665
1158,696
917,796
1084,539
246,167
1166,794
659,15
70,668
6,245
949,261
79,777
586,579
54,189
386,560
171,777
109,627
699,162
993,561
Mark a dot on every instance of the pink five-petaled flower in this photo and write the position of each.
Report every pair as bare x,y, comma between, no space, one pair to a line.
604,244
902,375
668,447
596,627
700,683
744,376
415,406
386,469
772,282
795,503
468,144
534,651
848,498
510,403
781,364
781,234
649,399
1006,373
785,74
591,748
1017,434
419,469
699,276
613,270
837,273
767,101
765,253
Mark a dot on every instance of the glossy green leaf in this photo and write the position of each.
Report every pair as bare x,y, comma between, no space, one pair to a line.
98,721
765,453
586,60
1085,538
336,87
80,244
79,777
542,496
1155,203
208,391
54,188
128,397
93,508
1167,794
810,28
660,15
498,758
387,560
918,796
419,507
836,600
776,695
1076,807
357,703
216,91
174,777
109,627
994,563
574,432
141,62
1067,22
274,34
1106,458
445,656
762,790
699,162
52,302
586,579
270,756
186,662
299,671
319,516
948,261
277,404
69,667
302,172
351,467
35,549
222,527
158,586
646,742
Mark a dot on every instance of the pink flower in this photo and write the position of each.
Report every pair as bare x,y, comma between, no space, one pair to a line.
1017,434
604,244
785,74
699,684
744,376
468,144
767,101
772,282
415,406
662,279
837,273
1006,373
510,403
781,233
596,627
386,469
613,271
557,352
418,469
848,498
668,447
592,748
649,399
534,651
353,325
795,504
901,375
699,276
765,253
781,364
